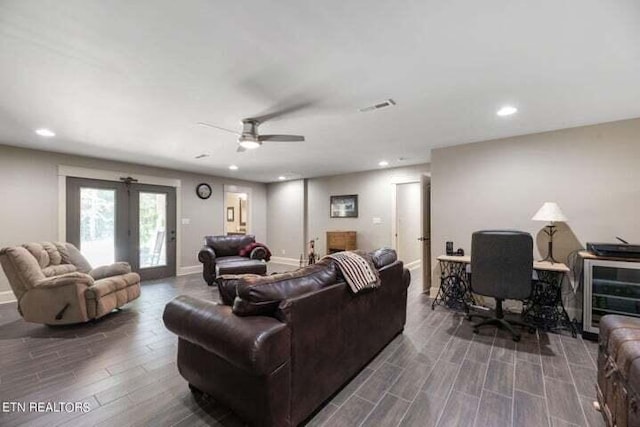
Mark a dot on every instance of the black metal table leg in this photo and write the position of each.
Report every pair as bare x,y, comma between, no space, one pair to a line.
454,291
545,308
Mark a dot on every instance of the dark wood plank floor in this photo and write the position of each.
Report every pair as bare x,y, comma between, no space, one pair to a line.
438,373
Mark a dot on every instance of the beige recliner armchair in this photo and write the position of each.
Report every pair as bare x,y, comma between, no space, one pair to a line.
54,284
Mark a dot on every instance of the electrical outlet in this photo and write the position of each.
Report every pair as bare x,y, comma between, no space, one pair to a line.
284,252
186,221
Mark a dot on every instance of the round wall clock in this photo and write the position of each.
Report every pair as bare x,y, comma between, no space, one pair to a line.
203,191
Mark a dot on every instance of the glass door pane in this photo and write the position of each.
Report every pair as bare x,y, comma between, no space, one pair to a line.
98,225
153,229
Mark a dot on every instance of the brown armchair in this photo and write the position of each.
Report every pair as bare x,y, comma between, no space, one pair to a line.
54,284
221,255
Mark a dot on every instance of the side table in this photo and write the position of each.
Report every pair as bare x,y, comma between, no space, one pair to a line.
454,291
545,308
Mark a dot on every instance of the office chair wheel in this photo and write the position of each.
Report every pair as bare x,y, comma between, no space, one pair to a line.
516,338
476,330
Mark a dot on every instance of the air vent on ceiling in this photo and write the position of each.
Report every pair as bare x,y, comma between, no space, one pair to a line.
384,104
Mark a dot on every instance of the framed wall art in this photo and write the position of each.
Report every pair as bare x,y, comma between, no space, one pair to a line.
345,206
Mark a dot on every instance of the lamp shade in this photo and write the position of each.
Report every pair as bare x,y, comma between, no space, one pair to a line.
550,211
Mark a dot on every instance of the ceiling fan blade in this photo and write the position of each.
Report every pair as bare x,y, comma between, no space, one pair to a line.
218,127
285,108
241,149
284,138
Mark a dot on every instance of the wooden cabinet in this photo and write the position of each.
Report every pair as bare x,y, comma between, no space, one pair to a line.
341,241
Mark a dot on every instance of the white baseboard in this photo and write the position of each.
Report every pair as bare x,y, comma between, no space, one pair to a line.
7,296
285,261
413,265
183,271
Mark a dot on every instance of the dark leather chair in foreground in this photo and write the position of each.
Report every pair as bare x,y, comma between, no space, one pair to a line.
290,340
222,255
502,268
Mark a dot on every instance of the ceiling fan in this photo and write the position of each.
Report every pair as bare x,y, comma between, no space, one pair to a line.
250,138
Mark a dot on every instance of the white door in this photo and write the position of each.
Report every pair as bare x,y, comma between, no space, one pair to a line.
408,223
425,237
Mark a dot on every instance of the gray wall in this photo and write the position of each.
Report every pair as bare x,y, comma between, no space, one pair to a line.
374,190
29,193
592,172
285,218
286,213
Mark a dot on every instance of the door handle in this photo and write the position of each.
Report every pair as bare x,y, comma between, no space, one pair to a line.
423,239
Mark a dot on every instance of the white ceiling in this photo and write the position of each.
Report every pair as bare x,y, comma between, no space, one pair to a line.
128,80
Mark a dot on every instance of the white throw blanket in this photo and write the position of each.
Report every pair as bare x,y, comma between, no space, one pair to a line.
358,271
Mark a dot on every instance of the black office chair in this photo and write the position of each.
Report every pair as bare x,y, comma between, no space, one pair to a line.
502,268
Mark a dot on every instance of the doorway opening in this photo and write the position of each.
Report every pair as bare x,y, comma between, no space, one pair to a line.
236,212
411,225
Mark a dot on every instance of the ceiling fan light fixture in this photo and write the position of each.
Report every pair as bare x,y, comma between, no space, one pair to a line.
248,143
45,133
507,110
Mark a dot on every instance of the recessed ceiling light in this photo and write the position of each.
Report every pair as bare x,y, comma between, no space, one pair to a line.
233,167
507,110
383,163
282,178
45,132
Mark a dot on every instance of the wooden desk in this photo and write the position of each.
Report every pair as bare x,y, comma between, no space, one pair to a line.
537,265
543,309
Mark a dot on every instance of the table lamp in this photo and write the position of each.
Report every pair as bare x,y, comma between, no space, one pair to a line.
550,212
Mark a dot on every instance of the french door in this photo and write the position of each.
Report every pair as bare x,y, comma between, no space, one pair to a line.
124,221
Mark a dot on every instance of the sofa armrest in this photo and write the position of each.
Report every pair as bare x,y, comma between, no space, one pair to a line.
257,344
259,252
64,280
57,300
115,269
207,255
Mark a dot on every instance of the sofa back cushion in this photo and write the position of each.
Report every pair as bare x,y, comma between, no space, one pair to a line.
383,257
46,253
261,295
22,269
71,255
228,245
50,255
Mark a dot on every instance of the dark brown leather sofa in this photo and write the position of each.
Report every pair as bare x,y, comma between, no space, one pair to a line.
290,341
222,253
